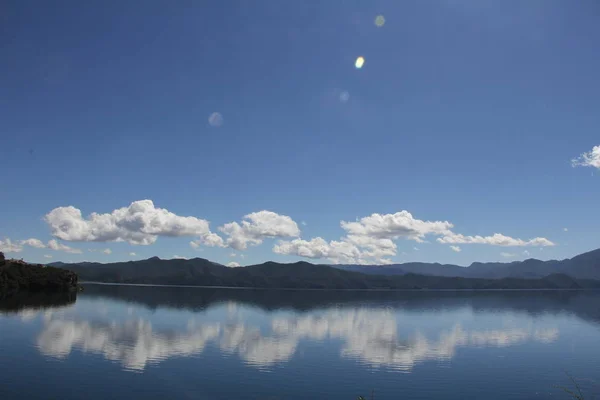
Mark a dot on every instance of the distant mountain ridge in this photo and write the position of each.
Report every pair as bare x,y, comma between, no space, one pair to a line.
583,266
202,272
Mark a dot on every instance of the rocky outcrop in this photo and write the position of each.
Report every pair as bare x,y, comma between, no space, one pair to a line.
18,276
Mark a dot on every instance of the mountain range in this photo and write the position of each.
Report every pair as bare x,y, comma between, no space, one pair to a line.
582,271
583,266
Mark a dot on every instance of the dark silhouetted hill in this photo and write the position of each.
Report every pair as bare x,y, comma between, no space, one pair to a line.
300,275
18,276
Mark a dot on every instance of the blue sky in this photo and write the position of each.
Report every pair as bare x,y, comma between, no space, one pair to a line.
466,115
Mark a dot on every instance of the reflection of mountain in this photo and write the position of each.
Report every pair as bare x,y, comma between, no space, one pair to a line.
24,301
581,303
370,336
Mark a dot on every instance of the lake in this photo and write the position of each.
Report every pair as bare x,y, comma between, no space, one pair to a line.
124,342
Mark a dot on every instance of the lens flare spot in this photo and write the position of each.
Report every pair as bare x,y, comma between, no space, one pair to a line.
379,21
344,96
360,61
215,119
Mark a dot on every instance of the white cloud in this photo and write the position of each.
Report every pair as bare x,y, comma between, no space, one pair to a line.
176,257
54,245
415,248
209,240
589,159
132,254
456,248
47,256
370,240
303,223
258,226
140,223
370,250
7,246
566,229
508,255
37,243
107,251
233,264
367,240
497,239
232,255
315,248
338,252
394,226
526,253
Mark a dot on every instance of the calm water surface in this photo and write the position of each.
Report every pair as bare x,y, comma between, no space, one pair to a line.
123,342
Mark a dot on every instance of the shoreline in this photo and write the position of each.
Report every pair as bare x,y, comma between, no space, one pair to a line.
81,283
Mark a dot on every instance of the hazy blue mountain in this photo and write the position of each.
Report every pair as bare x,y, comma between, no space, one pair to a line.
583,266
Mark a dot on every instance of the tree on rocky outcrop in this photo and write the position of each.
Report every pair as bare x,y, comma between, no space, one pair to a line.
2,259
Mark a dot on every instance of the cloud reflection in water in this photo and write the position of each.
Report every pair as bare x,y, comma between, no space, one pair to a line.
133,343
369,336
372,337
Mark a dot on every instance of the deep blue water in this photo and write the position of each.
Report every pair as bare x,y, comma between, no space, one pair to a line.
114,342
